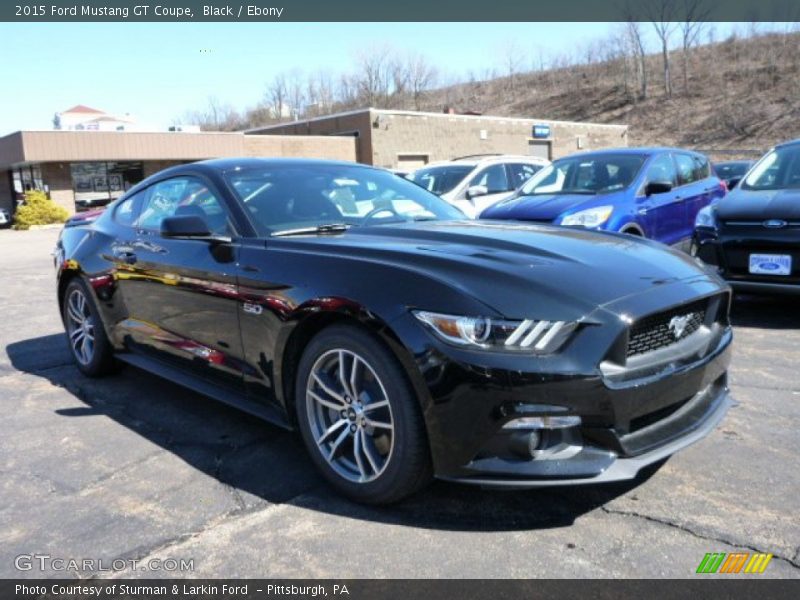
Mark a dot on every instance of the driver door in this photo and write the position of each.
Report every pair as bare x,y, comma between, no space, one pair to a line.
663,214
181,294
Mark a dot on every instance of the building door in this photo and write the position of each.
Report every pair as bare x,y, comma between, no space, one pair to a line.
410,162
539,149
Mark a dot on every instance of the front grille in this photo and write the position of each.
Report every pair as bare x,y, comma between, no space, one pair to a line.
666,328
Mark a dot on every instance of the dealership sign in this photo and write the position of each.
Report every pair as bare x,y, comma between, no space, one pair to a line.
541,131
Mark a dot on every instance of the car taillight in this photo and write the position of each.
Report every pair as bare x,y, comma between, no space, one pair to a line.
723,186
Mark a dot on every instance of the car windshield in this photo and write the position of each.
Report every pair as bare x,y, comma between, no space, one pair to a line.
592,174
731,169
441,179
287,198
778,170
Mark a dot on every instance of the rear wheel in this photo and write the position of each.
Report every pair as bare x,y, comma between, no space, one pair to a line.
86,337
359,417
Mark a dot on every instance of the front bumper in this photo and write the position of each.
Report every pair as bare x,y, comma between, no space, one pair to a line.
630,417
729,252
600,466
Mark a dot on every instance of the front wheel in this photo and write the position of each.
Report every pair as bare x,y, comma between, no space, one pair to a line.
359,417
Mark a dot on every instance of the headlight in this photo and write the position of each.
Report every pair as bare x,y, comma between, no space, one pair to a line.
705,218
538,337
591,217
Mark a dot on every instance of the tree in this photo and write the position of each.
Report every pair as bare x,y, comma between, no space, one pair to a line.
661,14
276,96
636,39
373,68
695,12
421,76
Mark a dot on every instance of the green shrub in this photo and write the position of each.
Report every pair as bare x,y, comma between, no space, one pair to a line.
38,209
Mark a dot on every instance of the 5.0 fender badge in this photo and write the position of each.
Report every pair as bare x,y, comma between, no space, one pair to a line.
253,309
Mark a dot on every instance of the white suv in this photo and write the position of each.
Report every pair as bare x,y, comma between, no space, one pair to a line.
474,183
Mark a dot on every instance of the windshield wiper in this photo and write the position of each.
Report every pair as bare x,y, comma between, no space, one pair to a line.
318,229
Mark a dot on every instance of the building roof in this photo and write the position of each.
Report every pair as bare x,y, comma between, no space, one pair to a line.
81,108
441,115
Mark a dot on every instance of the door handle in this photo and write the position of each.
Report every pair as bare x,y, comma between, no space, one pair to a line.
126,256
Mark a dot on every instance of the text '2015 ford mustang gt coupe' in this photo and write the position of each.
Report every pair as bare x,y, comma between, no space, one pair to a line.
400,339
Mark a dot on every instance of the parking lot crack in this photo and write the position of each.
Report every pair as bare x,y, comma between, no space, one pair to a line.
143,553
793,561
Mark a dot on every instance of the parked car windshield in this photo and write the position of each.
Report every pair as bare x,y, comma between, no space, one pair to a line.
729,170
441,179
295,197
777,170
593,174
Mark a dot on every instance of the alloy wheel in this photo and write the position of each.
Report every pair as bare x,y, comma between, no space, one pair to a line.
80,327
350,415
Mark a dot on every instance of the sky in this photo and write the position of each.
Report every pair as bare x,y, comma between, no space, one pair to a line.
158,71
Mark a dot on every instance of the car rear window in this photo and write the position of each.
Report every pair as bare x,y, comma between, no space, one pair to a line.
442,179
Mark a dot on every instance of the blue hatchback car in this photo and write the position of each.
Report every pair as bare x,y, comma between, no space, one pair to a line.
650,192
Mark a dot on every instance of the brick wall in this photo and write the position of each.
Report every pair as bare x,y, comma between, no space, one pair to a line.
313,146
354,125
6,192
58,177
448,136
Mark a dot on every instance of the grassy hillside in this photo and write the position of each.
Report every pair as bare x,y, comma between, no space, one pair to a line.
743,95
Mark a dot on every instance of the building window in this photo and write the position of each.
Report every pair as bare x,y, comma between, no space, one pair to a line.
28,178
94,181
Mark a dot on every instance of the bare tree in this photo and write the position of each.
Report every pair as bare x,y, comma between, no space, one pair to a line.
373,75
296,94
512,58
276,96
421,76
661,14
217,116
694,14
636,39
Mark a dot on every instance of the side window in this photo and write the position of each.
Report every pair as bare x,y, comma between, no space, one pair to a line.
521,172
126,211
493,178
701,168
686,169
662,169
183,196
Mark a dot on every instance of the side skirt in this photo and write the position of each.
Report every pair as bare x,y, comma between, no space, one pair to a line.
221,394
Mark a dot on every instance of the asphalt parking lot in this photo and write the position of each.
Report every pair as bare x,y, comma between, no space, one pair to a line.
133,467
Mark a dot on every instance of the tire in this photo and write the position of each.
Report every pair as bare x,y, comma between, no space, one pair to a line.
87,344
361,457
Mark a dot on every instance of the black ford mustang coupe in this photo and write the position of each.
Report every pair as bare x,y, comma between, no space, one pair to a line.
400,339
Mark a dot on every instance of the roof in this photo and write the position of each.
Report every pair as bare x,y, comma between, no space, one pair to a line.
632,150
81,108
412,113
233,163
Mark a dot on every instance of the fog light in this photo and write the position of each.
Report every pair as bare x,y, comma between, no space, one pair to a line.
560,422
526,444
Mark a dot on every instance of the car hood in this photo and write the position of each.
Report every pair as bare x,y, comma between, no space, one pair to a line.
540,207
760,205
515,268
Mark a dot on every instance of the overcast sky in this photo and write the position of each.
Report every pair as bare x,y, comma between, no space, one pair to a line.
158,71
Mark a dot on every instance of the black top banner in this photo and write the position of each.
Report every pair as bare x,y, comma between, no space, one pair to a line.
406,11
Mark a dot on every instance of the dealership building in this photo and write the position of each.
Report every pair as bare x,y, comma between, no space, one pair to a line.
95,156
74,166
406,140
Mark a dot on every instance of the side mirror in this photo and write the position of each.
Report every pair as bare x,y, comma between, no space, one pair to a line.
657,187
189,227
476,190
732,182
